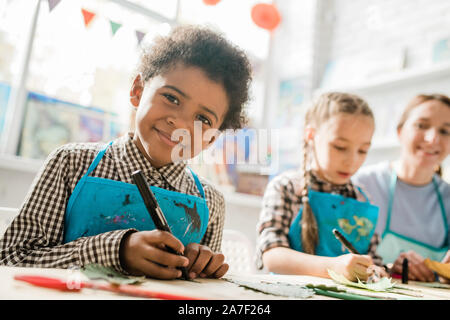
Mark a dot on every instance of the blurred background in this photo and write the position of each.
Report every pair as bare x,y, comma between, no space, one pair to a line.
66,68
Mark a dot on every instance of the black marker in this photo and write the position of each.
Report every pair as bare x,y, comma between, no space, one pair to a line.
154,210
345,242
405,271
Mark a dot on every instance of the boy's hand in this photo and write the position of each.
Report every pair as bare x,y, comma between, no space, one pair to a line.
352,266
145,253
204,263
417,270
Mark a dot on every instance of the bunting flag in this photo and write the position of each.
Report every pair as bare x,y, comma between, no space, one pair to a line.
88,16
114,27
52,4
139,35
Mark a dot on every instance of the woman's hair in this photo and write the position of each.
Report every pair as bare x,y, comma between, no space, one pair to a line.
415,102
326,106
418,100
201,47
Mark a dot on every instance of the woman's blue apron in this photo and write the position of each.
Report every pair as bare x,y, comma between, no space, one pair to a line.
356,220
393,243
99,205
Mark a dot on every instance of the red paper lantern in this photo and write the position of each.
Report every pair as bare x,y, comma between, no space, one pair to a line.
266,16
211,2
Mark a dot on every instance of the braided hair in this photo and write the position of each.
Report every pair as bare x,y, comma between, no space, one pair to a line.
326,106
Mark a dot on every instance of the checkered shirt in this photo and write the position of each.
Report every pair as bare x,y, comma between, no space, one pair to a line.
282,202
35,237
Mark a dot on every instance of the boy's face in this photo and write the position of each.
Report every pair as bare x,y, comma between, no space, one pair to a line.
340,146
181,99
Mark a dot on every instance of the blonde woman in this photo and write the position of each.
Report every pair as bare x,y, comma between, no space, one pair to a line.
414,201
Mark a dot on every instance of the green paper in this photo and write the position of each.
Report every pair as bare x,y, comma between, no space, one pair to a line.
275,288
96,271
384,285
343,295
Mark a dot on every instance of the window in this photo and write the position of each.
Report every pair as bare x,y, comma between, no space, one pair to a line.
73,76
12,48
79,75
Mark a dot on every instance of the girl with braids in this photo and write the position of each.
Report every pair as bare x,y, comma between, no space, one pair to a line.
301,208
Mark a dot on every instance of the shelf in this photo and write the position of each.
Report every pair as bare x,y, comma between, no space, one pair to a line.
20,164
406,76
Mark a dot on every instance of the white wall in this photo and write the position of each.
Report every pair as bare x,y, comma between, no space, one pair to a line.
382,28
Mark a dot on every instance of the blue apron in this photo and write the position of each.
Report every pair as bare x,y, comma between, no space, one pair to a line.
356,220
99,205
392,243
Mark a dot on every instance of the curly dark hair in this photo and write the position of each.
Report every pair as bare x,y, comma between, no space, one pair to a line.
202,47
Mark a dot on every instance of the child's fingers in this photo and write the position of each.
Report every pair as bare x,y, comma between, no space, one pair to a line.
192,252
202,260
158,237
221,271
154,270
163,257
364,260
360,271
214,264
199,257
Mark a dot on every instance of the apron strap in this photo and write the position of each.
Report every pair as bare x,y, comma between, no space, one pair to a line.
441,204
97,159
364,195
392,184
80,183
197,183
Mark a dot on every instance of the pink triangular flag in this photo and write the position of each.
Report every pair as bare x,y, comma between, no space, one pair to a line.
52,4
140,35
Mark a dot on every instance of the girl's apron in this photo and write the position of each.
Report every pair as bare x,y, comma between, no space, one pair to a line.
393,243
99,205
356,220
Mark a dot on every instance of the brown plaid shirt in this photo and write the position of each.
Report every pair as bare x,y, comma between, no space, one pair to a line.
282,202
35,237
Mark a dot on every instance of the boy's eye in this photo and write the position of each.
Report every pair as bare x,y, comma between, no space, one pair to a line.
204,120
444,132
362,151
171,98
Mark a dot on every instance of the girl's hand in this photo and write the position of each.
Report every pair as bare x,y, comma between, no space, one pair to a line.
376,273
352,266
145,253
204,263
417,270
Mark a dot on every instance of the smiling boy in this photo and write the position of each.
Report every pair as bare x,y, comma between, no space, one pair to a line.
75,213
